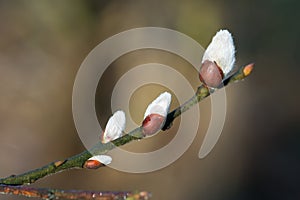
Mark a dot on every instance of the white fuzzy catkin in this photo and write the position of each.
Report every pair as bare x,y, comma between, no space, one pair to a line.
222,51
114,127
104,159
160,105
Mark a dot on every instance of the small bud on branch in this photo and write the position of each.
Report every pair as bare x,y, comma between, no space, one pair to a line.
218,59
156,114
114,127
97,161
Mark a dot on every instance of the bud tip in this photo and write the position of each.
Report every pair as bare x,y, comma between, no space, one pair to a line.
114,127
248,69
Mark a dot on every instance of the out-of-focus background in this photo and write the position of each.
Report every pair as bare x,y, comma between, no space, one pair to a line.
43,43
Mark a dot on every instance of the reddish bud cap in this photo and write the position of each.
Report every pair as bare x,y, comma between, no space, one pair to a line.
92,164
152,124
211,74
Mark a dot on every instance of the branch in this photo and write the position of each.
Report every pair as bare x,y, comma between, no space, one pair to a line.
78,161
45,193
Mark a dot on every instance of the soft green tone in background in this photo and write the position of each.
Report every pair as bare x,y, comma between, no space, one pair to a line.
43,43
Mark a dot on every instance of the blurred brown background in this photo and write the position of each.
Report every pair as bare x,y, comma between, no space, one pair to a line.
43,43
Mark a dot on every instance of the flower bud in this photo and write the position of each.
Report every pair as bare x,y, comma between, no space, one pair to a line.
248,69
114,127
97,161
211,74
218,59
92,164
153,123
156,113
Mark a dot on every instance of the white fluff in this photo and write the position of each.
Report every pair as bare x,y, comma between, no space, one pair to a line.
114,127
222,51
160,105
104,159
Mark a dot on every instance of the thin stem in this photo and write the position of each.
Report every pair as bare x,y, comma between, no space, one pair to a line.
78,161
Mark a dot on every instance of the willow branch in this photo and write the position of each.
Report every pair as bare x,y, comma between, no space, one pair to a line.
78,161
45,193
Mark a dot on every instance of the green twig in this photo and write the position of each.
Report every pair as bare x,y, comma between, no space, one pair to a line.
78,161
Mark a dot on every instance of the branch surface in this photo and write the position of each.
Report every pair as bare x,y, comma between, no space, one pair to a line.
45,193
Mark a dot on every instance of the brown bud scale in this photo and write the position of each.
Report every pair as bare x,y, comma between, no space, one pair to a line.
211,74
92,164
152,123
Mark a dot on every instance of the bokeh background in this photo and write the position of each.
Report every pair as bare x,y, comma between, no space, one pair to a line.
43,43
